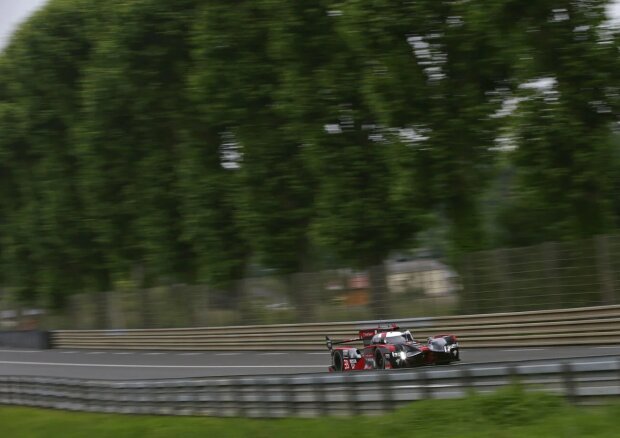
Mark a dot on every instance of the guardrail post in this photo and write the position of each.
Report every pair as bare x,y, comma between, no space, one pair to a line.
198,402
4,390
352,396
466,380
289,391
318,388
569,382
49,393
243,387
26,395
17,397
20,391
211,398
618,381
386,388
264,397
513,375
251,387
427,391
262,391
13,396
202,398
219,398
8,383
84,396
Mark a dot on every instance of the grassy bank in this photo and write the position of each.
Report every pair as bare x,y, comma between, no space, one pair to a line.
508,413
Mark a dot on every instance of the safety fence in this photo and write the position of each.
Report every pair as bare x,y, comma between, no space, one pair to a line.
587,381
580,326
549,275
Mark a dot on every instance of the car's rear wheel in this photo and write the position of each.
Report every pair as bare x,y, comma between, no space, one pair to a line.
338,360
379,360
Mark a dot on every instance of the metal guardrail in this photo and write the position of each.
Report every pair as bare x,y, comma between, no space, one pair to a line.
580,326
590,380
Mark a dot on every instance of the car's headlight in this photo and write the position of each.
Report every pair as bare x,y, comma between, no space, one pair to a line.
403,355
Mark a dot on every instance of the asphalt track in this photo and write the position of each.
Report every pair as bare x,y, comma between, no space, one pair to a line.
134,365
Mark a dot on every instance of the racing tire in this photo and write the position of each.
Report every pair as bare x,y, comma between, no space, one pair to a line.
338,361
379,360
454,358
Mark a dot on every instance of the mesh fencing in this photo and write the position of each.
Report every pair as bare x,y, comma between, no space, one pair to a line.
546,276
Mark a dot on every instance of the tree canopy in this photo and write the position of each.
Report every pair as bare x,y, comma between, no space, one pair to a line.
156,142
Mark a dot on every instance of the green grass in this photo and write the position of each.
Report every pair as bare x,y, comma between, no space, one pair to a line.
507,413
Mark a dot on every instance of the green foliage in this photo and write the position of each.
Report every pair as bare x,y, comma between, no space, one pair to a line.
564,162
134,108
354,216
514,406
418,75
44,241
508,413
234,80
146,142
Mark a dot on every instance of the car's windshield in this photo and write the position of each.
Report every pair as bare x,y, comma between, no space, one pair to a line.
398,339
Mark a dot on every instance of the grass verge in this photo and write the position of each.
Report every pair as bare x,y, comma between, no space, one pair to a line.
510,412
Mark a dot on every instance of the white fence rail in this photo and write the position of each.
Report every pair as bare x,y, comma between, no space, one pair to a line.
581,326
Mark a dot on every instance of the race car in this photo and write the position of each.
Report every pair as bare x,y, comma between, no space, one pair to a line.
388,348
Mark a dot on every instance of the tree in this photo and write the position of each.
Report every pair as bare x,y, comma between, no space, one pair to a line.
130,136
208,178
274,192
563,186
420,81
318,89
45,243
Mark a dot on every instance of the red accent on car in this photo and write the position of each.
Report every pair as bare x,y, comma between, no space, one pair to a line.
367,333
368,353
452,337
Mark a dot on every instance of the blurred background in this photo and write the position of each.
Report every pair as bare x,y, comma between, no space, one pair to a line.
202,163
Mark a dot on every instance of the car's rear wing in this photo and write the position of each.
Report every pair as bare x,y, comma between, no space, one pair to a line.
330,342
364,335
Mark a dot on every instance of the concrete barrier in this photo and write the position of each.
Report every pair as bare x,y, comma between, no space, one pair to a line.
33,339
